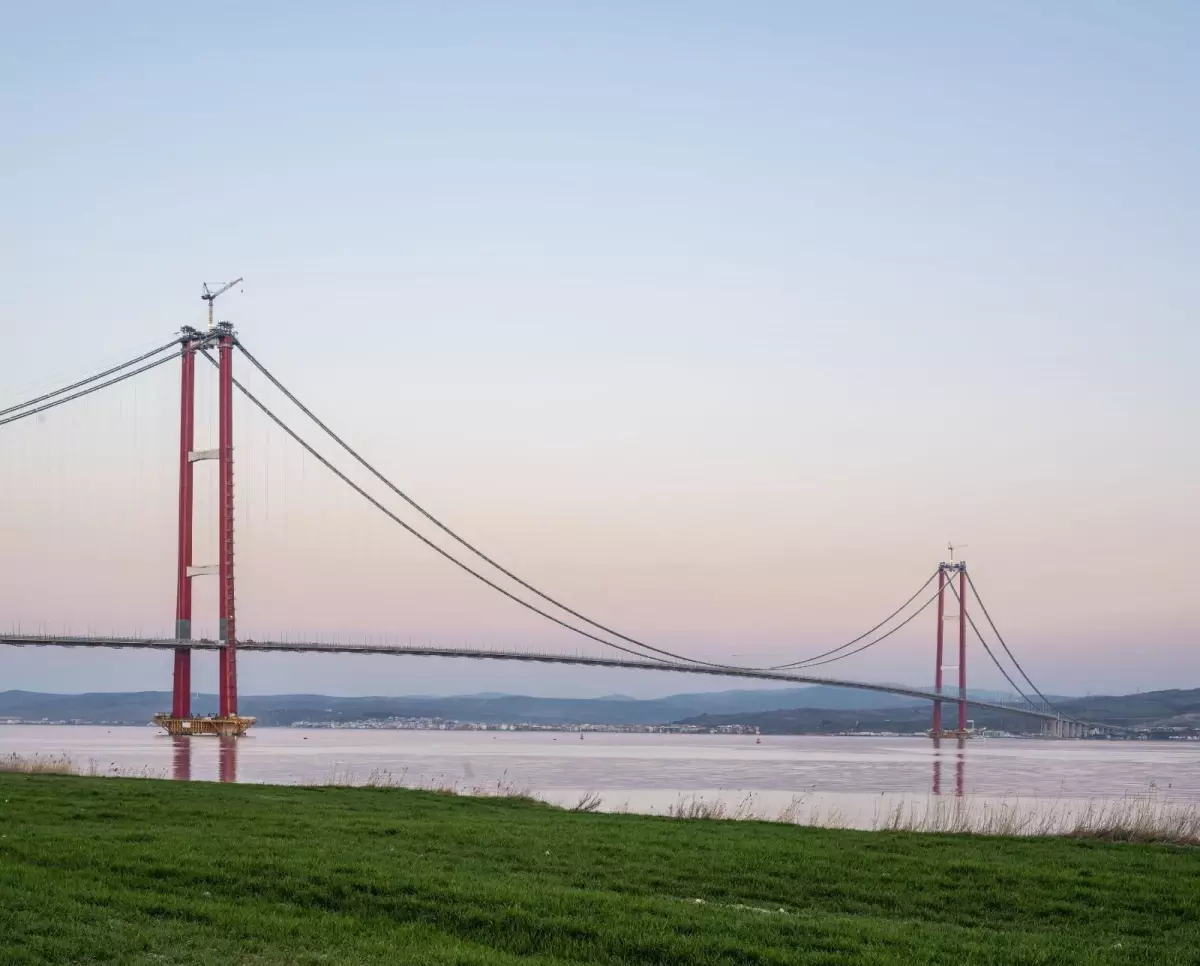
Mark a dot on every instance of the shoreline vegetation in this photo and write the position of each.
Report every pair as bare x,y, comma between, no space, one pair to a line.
119,871
64,764
1145,818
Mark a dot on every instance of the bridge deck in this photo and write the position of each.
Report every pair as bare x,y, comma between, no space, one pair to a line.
322,647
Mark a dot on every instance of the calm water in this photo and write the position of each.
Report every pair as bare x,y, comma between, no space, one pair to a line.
648,773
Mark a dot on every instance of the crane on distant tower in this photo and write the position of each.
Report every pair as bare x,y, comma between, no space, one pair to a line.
210,296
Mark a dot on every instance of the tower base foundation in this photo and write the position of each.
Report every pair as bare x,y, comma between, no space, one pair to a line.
232,726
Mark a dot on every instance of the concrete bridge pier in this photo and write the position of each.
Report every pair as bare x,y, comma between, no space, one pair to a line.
1061,728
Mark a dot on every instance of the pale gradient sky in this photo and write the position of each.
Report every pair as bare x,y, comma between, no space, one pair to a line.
715,320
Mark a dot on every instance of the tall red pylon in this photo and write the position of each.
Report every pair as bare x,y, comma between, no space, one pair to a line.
962,650
228,659
181,694
941,636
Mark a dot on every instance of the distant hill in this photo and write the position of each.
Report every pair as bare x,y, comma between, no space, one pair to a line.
1152,710
139,707
791,711
815,721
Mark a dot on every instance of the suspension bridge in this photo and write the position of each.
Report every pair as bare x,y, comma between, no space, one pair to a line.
950,584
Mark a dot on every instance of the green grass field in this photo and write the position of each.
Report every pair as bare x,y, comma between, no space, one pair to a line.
97,870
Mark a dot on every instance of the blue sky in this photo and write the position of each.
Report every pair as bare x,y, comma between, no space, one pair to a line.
717,320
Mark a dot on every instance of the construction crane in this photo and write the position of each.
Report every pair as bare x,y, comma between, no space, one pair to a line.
210,296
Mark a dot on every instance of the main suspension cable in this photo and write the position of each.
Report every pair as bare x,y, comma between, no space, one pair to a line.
474,573
878,640
86,392
808,661
84,382
433,546
1010,654
512,576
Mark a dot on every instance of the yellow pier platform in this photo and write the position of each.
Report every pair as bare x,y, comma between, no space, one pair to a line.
233,726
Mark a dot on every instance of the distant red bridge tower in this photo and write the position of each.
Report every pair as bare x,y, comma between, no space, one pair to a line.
946,574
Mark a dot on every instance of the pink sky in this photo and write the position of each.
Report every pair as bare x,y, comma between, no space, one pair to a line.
718,325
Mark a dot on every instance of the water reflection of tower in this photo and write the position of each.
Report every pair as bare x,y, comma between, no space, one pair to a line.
181,758
960,764
227,761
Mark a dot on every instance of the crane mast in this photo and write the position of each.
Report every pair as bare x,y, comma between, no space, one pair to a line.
210,296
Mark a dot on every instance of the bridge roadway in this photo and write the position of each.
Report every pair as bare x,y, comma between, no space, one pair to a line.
321,647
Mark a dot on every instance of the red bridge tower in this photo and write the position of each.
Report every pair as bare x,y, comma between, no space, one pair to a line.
946,574
181,721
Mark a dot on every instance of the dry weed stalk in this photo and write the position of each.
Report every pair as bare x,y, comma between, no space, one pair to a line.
64,764
588,802
38,764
